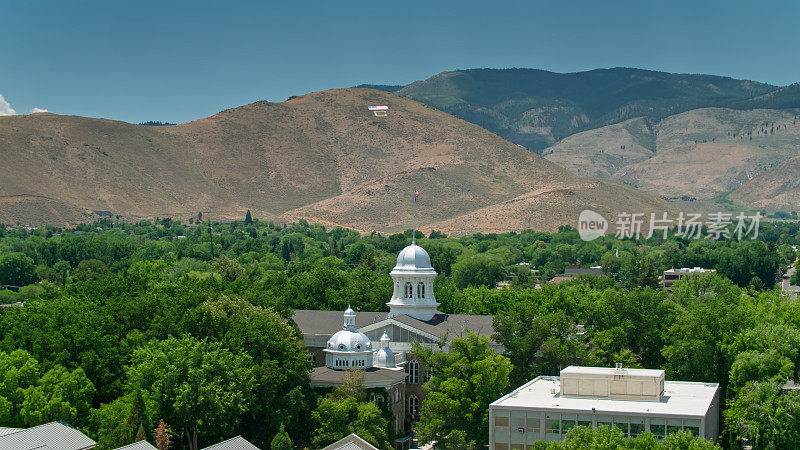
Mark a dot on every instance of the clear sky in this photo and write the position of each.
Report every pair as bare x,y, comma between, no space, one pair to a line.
182,60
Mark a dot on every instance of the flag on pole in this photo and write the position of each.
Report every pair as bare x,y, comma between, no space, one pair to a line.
416,193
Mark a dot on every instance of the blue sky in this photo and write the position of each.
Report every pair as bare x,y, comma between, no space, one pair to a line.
179,61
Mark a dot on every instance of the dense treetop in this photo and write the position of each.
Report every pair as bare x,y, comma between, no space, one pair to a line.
124,326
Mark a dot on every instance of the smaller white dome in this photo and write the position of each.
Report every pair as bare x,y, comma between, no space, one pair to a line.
384,356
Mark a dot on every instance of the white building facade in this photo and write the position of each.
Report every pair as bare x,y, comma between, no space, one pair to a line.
634,400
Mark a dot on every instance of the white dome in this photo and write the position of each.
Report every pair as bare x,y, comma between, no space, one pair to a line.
414,260
384,356
349,341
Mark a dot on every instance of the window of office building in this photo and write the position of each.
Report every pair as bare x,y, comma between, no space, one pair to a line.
658,426
637,426
501,421
584,421
552,425
534,423
568,422
622,424
674,425
604,421
692,426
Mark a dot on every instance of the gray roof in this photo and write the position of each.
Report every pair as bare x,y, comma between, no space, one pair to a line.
352,442
326,323
373,377
236,443
141,445
54,435
4,430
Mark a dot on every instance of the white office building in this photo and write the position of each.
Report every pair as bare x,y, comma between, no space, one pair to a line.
634,400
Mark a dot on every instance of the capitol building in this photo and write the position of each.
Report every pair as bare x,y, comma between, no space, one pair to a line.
380,343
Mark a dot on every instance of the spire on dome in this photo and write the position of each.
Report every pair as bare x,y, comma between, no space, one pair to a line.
349,319
384,357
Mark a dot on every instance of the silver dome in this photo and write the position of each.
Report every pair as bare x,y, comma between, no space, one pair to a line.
349,341
384,356
413,260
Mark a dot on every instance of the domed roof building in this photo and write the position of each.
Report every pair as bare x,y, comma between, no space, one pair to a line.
413,317
413,277
348,348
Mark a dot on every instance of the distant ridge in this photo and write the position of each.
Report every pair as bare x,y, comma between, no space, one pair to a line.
322,157
536,108
382,87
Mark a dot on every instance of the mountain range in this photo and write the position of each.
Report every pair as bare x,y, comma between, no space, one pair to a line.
322,157
702,137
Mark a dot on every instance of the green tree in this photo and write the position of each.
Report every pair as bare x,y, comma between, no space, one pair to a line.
537,343
765,415
195,385
122,422
248,218
58,395
465,381
477,270
18,372
281,441
750,366
336,418
281,363
17,269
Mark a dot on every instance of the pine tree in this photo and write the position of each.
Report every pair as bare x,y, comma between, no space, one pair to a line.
281,441
248,218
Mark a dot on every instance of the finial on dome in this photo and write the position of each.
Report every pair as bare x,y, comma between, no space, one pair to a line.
349,319
385,340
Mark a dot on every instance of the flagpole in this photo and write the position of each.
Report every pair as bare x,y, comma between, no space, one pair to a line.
413,220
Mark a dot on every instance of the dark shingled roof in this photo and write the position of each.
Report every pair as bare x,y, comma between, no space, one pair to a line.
325,323
372,376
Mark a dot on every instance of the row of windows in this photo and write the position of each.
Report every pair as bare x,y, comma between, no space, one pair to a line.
346,363
556,426
408,290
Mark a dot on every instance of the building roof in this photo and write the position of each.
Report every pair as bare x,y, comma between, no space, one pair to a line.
326,323
352,442
235,443
141,445
54,435
681,398
4,430
583,271
584,370
373,377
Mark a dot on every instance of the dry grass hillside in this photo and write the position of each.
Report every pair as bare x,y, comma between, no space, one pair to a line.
776,188
704,153
322,157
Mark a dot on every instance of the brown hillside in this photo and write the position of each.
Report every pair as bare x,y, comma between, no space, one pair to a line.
322,157
703,153
775,188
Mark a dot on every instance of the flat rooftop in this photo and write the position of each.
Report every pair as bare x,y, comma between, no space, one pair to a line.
583,370
681,398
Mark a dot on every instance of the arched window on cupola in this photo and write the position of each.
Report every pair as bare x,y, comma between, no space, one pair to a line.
421,290
409,290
